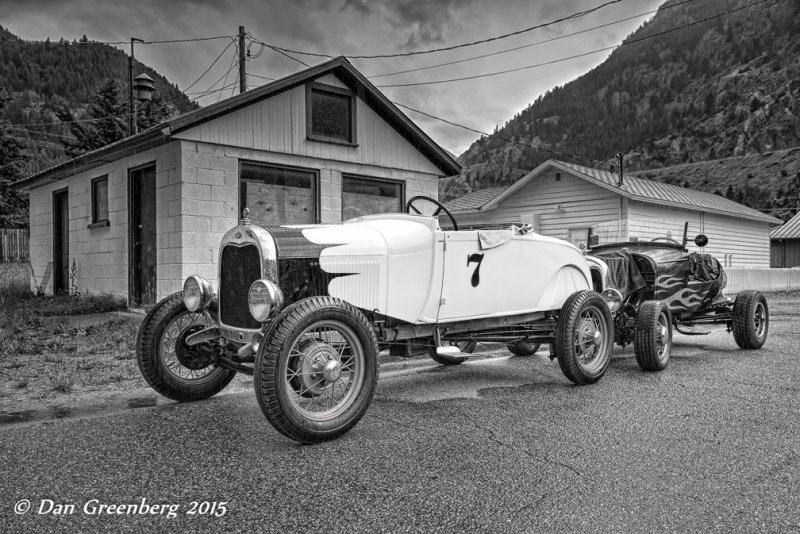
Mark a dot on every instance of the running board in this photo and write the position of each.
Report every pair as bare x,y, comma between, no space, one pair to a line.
452,351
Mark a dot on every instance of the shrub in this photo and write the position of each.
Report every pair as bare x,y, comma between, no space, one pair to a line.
62,382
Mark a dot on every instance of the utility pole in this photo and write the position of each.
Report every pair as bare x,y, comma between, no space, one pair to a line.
131,108
242,73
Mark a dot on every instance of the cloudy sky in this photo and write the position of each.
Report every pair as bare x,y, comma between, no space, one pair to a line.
359,27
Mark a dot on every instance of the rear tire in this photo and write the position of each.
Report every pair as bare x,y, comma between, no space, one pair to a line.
652,336
584,337
170,367
750,319
523,348
316,370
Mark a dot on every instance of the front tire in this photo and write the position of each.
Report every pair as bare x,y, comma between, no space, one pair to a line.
584,338
169,366
750,319
652,336
315,372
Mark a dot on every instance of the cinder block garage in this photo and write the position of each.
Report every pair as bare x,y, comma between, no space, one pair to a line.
138,216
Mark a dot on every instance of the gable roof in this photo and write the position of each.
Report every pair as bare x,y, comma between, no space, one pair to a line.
790,230
474,200
635,188
160,134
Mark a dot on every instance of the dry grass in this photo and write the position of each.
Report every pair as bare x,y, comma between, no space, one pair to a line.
43,357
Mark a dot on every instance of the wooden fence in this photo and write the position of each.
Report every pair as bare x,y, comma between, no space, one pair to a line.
14,245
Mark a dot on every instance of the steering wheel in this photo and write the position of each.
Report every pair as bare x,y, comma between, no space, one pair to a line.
664,238
440,208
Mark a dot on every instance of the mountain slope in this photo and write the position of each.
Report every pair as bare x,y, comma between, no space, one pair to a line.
725,87
40,77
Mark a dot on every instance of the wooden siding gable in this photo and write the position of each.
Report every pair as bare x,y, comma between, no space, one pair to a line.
278,124
582,205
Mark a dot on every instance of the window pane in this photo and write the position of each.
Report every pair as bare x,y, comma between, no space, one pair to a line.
100,200
277,196
330,115
363,196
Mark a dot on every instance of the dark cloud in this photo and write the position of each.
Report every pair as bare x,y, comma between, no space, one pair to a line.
419,22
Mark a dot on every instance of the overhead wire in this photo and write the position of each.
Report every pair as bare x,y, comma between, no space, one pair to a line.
529,45
463,45
625,43
496,136
60,136
230,68
212,65
162,41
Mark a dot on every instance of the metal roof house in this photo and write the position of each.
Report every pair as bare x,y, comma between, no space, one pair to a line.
566,200
138,216
785,244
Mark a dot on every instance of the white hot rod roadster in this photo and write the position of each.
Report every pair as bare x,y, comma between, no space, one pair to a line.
306,309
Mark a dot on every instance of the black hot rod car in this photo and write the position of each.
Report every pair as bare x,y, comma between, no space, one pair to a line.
654,286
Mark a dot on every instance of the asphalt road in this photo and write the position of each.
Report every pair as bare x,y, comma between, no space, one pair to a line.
712,444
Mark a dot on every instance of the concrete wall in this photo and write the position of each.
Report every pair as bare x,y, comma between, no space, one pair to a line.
210,202
101,254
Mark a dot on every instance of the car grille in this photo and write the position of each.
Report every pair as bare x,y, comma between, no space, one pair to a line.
239,268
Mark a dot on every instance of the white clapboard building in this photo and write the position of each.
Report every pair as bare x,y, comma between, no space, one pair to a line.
571,202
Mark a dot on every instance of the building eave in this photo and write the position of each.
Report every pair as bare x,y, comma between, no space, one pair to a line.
156,135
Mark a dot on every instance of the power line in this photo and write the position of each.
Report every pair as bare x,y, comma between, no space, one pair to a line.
60,136
548,150
209,91
213,85
230,68
34,142
454,47
212,65
262,77
566,35
163,41
123,115
626,43
278,50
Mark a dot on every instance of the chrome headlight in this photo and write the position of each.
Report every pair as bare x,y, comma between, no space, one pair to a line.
613,299
197,293
264,299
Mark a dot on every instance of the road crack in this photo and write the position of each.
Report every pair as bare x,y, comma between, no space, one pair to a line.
536,458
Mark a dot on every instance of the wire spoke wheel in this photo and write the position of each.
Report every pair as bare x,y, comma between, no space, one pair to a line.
584,338
185,363
324,370
315,372
589,339
167,363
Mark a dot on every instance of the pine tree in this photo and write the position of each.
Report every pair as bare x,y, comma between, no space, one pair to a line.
107,120
13,204
105,124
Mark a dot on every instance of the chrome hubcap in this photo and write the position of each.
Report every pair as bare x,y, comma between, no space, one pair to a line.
590,340
759,319
332,372
662,337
